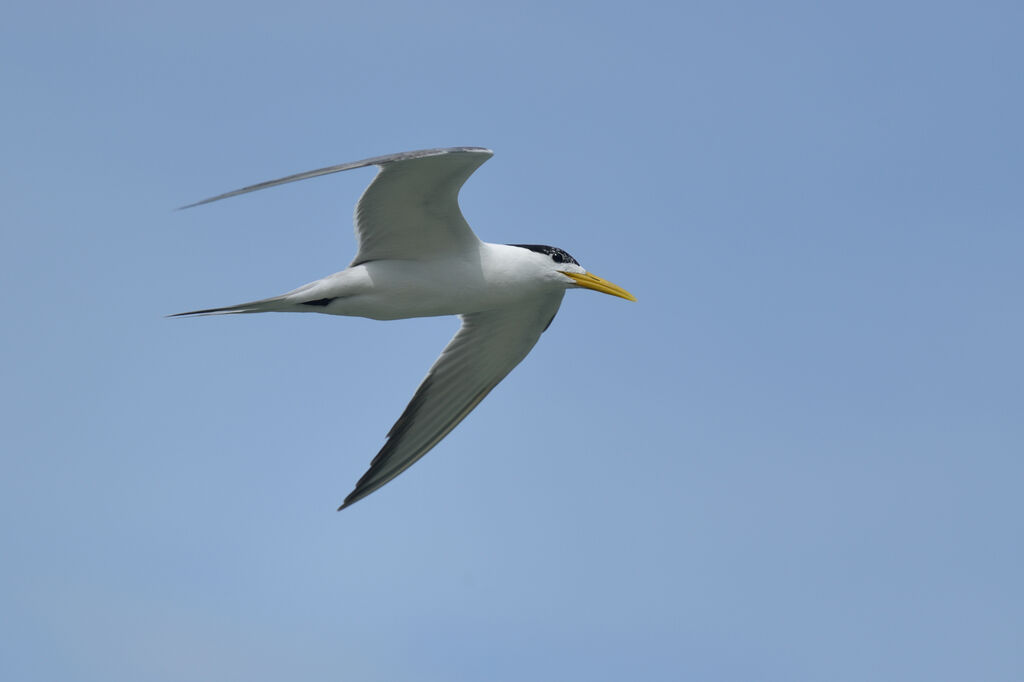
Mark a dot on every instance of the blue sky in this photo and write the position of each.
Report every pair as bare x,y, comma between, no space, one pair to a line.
797,457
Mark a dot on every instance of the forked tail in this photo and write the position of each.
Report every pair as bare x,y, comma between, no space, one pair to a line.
264,306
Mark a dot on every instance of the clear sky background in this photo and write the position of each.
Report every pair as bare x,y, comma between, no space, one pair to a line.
797,457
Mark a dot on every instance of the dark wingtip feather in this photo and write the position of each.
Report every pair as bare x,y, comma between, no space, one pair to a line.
226,310
208,311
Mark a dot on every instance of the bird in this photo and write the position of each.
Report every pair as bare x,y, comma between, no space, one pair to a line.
417,257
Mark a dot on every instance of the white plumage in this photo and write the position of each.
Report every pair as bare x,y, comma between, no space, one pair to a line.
417,257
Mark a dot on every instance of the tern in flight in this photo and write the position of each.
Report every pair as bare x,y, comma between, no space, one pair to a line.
417,257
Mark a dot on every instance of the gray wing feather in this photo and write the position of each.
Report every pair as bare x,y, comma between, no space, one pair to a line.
485,349
411,209
374,161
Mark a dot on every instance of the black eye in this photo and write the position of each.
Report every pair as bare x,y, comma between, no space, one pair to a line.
557,257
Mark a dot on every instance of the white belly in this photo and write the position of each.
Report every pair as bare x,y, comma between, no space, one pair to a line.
390,290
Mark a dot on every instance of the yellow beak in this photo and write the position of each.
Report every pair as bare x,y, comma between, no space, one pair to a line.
588,281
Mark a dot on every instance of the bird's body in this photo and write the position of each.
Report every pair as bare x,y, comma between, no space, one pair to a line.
488,276
418,258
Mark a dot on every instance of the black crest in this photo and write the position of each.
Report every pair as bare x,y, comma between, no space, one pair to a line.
555,253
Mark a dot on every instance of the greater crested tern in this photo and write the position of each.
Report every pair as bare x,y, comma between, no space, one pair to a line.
417,257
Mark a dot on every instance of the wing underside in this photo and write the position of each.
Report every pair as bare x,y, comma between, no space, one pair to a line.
485,349
411,208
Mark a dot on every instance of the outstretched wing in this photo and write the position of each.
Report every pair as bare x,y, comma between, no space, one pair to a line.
411,209
485,349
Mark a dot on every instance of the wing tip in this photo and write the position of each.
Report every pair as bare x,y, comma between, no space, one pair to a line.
352,498
374,161
197,203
